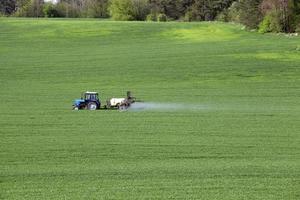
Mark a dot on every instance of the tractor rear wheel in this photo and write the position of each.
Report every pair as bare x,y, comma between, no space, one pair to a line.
123,107
92,106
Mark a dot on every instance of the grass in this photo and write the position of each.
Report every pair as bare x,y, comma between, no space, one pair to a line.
243,145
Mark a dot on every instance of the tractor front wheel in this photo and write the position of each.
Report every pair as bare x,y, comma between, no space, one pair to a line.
92,106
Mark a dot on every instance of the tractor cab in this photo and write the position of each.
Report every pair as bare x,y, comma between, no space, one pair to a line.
90,96
89,101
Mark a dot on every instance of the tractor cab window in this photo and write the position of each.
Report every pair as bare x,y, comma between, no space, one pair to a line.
91,96
94,97
87,96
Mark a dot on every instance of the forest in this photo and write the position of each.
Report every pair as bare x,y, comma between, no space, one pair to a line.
262,15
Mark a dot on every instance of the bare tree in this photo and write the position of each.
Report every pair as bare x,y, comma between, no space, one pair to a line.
285,10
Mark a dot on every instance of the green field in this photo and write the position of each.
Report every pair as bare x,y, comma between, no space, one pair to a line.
242,140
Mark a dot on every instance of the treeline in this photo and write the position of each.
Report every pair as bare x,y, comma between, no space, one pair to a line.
264,15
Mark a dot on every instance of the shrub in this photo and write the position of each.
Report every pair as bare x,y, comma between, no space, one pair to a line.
264,26
234,12
140,9
222,16
270,23
285,11
297,24
188,17
121,10
161,17
129,9
7,7
95,9
33,8
250,14
62,9
298,28
51,11
151,17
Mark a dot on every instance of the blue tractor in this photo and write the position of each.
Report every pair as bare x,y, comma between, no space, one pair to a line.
88,101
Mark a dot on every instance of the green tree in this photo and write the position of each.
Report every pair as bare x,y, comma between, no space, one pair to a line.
52,10
203,10
234,12
129,9
250,14
140,9
31,8
121,10
95,8
7,7
162,17
71,8
283,12
270,23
